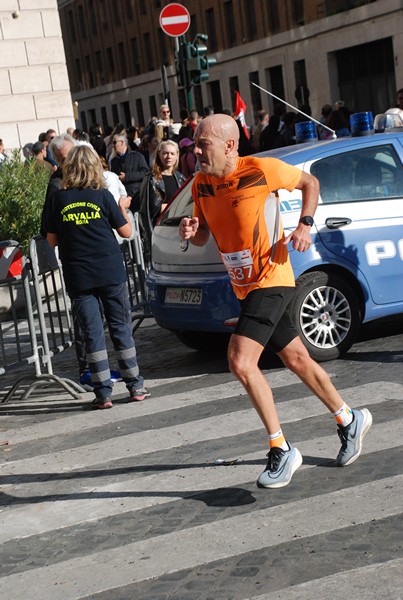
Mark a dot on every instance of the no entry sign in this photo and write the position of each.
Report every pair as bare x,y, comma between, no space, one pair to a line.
175,19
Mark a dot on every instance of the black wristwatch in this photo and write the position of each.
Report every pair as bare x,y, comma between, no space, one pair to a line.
307,220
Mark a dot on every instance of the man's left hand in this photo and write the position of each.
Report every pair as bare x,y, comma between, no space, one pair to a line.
301,238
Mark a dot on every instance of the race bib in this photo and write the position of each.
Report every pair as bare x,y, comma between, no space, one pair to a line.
239,266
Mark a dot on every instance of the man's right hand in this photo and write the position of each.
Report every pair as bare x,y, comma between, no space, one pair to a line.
188,227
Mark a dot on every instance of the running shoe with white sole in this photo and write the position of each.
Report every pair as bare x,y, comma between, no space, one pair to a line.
351,437
280,468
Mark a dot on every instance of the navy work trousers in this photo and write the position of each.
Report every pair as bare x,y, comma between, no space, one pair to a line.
116,306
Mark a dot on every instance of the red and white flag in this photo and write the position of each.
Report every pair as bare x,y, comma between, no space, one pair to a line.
240,108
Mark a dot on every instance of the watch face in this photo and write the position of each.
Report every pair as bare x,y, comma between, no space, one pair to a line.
306,220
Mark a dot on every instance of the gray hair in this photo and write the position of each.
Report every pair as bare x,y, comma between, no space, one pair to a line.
58,143
120,136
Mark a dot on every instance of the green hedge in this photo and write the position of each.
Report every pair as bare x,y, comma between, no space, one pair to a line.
22,195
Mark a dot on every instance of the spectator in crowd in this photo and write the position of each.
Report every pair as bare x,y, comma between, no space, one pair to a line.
58,148
187,158
339,123
270,137
399,99
133,138
81,136
186,130
3,157
165,129
39,154
324,116
148,147
158,188
50,135
130,167
262,118
287,133
194,120
119,129
97,141
208,111
93,269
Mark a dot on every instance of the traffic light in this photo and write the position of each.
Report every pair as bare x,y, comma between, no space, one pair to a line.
180,65
198,63
192,63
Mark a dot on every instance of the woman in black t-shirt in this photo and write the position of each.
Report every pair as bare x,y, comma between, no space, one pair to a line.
81,222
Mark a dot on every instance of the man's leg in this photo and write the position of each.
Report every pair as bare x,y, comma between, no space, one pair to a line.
296,358
243,357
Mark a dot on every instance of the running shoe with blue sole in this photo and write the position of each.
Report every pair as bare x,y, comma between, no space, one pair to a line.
351,437
280,468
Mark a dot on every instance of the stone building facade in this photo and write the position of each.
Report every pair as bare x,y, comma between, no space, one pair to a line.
333,49
34,85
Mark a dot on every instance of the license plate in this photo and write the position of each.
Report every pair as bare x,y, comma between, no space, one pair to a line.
183,296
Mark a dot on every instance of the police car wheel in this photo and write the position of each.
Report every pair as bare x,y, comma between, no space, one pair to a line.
204,341
326,313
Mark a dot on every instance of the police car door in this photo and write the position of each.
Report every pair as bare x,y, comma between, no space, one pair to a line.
360,216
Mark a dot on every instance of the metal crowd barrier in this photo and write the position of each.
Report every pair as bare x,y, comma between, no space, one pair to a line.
39,321
45,326
132,250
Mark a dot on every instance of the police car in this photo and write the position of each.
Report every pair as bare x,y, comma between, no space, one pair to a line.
352,274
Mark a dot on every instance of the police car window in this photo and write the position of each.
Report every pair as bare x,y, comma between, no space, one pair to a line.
181,206
367,173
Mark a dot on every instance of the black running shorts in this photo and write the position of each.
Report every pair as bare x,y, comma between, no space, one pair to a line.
264,317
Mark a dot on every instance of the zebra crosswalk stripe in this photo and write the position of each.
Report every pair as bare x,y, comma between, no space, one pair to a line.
52,495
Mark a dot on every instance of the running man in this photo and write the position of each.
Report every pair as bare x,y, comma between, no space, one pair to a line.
234,200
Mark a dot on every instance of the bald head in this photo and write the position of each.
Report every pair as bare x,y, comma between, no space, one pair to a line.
216,145
221,126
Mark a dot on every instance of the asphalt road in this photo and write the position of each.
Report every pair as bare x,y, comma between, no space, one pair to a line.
130,503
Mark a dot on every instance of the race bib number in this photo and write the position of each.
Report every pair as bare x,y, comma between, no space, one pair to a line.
239,266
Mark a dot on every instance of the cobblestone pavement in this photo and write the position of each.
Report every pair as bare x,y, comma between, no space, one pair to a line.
130,503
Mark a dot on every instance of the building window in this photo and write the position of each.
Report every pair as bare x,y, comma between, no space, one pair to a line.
211,30
250,13
140,113
90,74
255,92
111,62
92,17
99,68
153,106
274,19
81,22
135,56
103,16
83,121
230,23
117,11
233,85
122,60
148,50
78,73
125,106
71,26
104,118
129,10
298,12
115,114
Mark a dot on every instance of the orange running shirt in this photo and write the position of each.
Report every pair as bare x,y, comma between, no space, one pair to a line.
243,215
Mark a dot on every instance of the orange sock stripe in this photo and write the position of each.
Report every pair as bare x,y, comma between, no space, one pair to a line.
277,442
